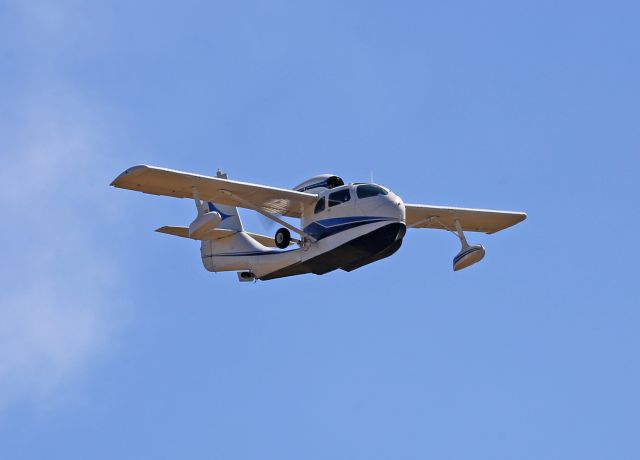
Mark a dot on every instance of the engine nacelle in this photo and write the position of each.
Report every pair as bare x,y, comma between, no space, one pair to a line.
203,224
319,183
468,256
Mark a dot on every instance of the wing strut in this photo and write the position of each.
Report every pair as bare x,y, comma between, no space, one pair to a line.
258,209
424,221
201,208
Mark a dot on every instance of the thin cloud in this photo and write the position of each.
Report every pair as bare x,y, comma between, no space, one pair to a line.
57,304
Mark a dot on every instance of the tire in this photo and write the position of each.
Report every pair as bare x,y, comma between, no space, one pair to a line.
283,238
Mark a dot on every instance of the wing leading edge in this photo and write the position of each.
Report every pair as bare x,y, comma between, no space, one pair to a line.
179,184
471,220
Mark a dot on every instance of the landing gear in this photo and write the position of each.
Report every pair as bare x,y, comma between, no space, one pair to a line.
244,277
283,238
468,255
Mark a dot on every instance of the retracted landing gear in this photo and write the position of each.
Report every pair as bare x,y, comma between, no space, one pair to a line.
468,255
245,277
283,238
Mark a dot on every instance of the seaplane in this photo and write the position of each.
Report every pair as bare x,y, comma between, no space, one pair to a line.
342,226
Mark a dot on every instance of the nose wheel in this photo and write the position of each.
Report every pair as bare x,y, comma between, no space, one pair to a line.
283,238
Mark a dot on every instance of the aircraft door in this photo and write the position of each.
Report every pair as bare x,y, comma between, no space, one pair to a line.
340,203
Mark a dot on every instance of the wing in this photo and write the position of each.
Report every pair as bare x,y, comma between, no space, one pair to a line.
471,220
168,182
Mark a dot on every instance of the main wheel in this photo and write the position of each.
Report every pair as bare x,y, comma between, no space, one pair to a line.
283,238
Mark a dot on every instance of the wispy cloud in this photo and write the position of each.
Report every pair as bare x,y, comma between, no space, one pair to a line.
57,307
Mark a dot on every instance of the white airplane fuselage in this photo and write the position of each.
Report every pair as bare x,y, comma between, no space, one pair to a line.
352,225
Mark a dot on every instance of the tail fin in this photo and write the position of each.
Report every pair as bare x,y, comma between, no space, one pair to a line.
230,217
235,242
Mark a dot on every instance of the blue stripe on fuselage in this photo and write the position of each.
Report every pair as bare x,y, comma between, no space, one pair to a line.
327,227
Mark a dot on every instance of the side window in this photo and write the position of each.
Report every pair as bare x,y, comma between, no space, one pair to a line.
339,197
319,205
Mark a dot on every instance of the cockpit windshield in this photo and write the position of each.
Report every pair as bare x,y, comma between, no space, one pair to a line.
369,190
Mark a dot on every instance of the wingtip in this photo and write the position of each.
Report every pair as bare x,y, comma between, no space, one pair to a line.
127,173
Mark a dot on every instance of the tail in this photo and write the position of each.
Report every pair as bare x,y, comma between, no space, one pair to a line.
230,217
230,221
224,245
235,243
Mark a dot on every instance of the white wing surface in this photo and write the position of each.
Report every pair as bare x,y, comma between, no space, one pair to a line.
471,220
179,184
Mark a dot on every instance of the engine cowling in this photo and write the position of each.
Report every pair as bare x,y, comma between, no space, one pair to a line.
318,183
203,224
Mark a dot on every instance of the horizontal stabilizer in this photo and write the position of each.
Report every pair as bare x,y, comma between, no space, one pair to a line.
177,231
471,220
216,234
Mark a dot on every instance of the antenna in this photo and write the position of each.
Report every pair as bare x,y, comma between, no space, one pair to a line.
371,176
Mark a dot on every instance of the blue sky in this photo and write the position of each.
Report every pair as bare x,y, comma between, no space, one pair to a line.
114,341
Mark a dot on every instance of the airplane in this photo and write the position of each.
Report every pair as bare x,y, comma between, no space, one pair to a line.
342,226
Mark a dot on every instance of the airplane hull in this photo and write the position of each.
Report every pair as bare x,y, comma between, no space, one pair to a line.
353,254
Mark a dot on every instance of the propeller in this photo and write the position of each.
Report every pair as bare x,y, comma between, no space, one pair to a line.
267,224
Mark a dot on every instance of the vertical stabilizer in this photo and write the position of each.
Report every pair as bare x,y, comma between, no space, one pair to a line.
230,220
230,217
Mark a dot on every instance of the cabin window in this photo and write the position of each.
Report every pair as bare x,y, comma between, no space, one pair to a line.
319,206
368,190
339,197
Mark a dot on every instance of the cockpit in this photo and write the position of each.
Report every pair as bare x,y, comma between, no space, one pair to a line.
362,191
354,204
